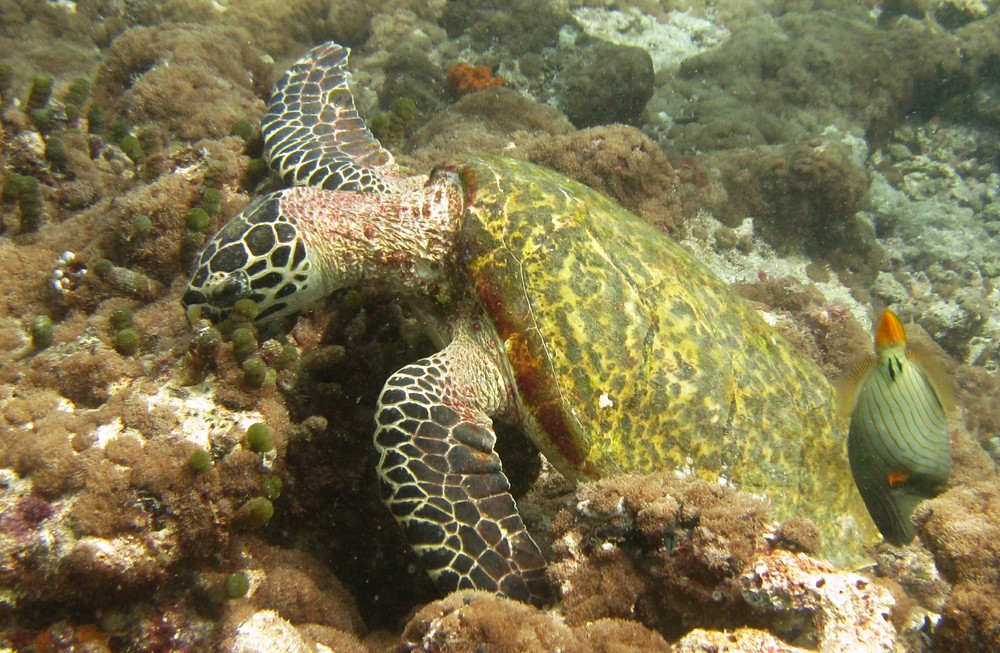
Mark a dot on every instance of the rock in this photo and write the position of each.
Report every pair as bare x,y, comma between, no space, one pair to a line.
830,610
266,631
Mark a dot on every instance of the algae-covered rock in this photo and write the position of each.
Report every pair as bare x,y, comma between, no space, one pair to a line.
677,554
478,621
191,81
522,25
962,530
604,83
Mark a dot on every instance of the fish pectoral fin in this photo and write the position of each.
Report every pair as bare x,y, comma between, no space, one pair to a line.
850,382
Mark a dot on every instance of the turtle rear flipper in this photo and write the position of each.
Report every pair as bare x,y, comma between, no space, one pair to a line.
444,483
313,135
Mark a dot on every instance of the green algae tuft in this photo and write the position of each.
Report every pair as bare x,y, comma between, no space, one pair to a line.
42,332
28,192
131,147
211,200
244,343
197,219
272,487
40,92
254,514
97,119
122,318
142,224
200,461
127,341
243,129
246,309
236,585
259,438
256,172
55,150
102,267
255,372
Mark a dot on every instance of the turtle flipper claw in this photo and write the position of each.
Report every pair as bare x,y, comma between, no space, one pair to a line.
444,484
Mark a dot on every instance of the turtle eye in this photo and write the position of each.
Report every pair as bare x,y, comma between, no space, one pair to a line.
234,286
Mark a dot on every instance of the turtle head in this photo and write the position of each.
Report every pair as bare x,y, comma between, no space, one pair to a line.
259,255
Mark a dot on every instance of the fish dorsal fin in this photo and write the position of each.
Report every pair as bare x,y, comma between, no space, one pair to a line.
935,375
850,382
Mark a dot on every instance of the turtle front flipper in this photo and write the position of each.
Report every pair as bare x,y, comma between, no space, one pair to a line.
313,135
444,483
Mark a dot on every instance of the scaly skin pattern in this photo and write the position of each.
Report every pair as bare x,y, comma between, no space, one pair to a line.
630,356
313,135
440,476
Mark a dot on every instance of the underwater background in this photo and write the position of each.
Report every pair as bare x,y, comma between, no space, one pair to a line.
829,159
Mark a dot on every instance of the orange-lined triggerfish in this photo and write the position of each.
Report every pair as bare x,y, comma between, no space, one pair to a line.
899,444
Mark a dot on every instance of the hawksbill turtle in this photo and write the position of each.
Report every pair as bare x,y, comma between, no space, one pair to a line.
611,347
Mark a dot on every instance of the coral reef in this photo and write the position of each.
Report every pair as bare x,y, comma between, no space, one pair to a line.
804,199
468,621
525,26
139,511
182,81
